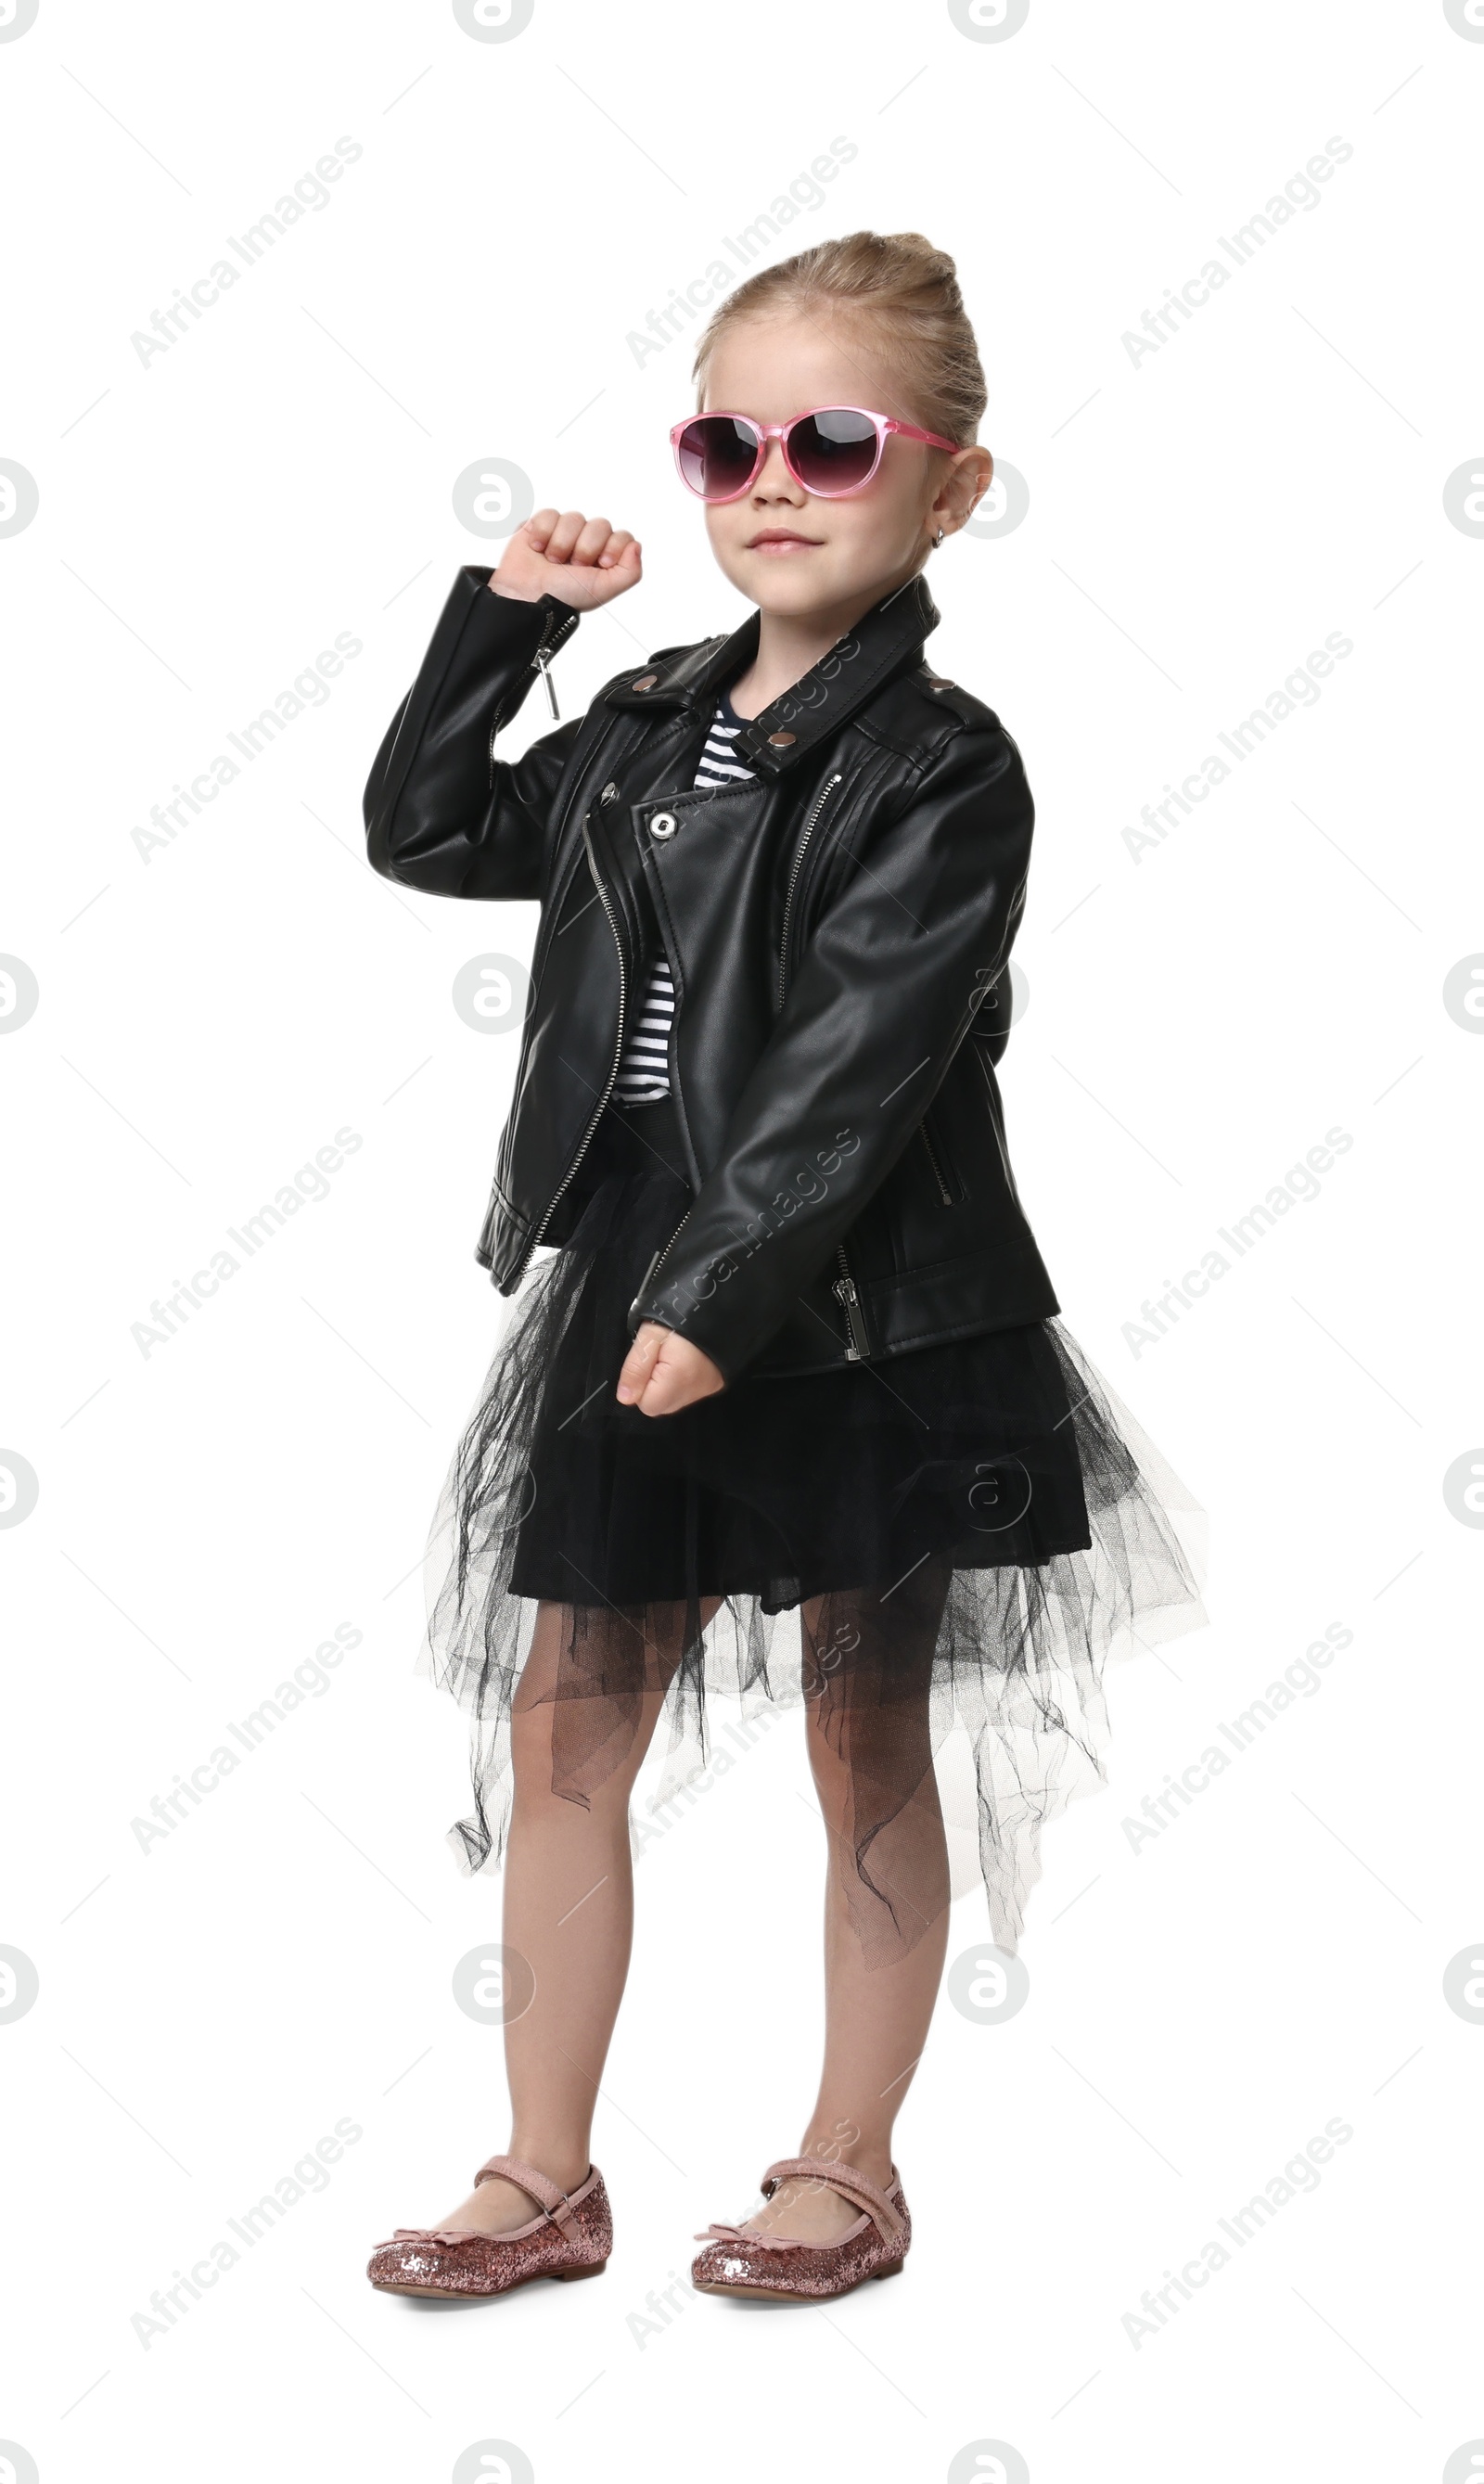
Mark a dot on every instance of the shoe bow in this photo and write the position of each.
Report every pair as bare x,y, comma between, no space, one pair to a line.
436,2234
750,2240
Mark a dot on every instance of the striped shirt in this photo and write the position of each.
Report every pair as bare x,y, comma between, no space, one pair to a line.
643,1069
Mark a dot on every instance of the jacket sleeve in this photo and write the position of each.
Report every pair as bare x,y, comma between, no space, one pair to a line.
884,994
442,812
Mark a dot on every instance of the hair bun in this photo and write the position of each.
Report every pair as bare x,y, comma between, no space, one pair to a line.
904,290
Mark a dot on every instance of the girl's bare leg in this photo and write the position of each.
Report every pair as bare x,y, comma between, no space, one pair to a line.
886,1935
568,1913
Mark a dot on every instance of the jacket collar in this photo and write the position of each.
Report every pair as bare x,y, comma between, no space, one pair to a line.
881,643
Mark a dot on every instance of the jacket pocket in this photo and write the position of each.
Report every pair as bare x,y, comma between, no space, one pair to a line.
948,1181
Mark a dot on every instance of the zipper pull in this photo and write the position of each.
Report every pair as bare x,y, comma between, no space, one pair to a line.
544,665
860,1348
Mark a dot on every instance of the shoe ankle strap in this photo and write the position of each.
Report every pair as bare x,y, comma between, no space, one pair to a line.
547,2194
844,2180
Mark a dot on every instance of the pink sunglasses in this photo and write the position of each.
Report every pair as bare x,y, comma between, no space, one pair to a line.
829,451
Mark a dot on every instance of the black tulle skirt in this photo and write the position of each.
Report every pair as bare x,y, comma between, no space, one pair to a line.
968,1532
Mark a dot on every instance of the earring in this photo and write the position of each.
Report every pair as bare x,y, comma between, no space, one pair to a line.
938,539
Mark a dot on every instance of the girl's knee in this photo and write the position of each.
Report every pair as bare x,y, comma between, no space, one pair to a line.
561,1751
829,1766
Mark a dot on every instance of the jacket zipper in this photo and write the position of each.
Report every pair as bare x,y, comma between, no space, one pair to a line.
619,1045
933,1159
553,629
663,1253
805,833
991,1103
860,1348
858,1345
807,830
544,664
570,1174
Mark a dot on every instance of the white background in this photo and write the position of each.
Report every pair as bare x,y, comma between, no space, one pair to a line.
208,1017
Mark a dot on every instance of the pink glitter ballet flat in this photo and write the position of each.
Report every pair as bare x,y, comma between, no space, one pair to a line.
572,2237
736,2261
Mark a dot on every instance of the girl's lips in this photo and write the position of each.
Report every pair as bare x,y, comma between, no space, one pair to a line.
785,543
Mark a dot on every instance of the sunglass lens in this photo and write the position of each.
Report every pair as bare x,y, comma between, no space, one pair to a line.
833,450
716,455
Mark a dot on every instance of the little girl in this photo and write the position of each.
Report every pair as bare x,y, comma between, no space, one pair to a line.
791,1346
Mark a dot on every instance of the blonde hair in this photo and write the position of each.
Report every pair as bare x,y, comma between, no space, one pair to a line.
902,296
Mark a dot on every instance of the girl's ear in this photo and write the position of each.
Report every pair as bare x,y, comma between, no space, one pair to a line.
965,485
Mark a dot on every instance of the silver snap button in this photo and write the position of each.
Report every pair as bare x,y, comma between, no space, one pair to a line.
781,741
610,792
648,682
663,824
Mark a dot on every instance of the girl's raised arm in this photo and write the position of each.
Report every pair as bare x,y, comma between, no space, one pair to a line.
442,812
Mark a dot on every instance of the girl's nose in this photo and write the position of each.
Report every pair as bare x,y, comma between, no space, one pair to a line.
774,476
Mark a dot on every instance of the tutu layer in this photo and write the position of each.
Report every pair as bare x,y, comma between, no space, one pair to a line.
968,1532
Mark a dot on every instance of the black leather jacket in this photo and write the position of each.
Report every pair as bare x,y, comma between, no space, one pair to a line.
837,931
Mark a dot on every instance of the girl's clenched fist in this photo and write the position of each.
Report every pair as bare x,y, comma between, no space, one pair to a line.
580,561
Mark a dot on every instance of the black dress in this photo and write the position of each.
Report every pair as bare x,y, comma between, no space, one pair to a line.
780,1489
968,1530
